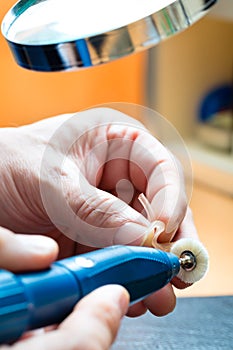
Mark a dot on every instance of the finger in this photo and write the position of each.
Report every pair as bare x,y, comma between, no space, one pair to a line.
94,217
171,197
85,213
180,284
161,302
165,186
137,309
20,252
114,221
102,310
187,227
92,325
110,140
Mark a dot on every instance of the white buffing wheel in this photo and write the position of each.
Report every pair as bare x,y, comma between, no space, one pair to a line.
201,256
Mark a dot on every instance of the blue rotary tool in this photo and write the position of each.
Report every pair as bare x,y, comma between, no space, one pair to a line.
37,299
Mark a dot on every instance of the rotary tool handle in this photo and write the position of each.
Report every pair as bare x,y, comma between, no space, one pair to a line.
33,300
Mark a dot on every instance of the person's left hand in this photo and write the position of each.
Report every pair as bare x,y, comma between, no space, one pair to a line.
77,179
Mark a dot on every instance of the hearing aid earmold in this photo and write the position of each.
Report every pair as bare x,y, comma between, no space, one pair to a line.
192,254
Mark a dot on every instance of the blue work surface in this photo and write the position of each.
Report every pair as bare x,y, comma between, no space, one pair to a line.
196,324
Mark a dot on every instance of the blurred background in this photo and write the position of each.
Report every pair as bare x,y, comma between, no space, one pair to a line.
28,96
190,83
188,80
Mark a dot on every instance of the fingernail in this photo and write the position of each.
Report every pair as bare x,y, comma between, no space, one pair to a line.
130,234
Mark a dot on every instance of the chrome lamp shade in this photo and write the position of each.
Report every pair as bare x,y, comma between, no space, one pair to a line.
65,35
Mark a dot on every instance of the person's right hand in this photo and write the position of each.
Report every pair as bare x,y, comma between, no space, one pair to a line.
95,320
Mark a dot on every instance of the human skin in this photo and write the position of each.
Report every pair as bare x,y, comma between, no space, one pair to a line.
95,320
76,179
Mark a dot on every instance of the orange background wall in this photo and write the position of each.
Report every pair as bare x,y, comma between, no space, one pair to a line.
26,96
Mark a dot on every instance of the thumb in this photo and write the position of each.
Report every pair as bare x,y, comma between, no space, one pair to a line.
93,324
107,220
20,252
123,224
102,310
91,216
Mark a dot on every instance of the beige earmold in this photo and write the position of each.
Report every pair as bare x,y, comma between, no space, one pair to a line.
182,247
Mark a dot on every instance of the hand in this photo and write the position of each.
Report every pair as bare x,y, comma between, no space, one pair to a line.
95,320
79,176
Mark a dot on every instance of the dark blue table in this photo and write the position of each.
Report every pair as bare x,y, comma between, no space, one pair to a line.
196,324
